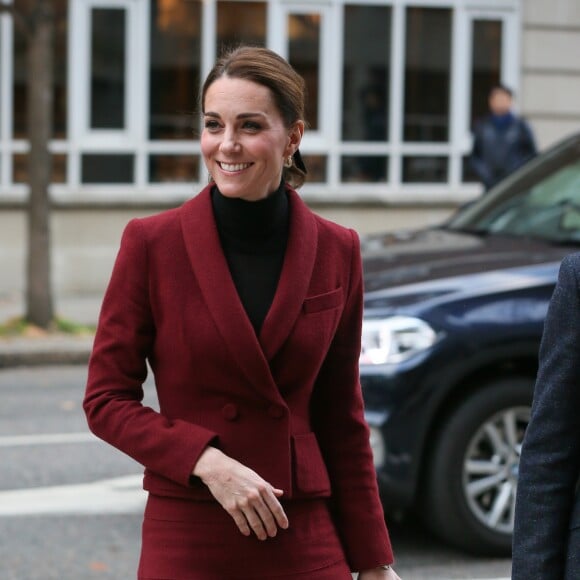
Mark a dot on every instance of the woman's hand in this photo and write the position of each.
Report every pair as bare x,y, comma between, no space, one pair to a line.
251,501
378,574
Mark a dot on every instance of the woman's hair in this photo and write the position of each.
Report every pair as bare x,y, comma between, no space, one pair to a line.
265,67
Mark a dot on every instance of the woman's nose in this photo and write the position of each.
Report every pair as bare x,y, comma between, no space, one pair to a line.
230,142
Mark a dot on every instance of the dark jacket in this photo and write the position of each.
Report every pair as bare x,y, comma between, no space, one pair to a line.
287,403
547,516
500,146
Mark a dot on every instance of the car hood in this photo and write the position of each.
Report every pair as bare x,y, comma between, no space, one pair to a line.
406,268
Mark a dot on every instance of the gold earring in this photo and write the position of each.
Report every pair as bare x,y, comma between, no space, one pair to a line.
288,161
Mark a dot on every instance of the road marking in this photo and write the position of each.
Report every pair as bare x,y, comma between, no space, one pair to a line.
121,495
46,439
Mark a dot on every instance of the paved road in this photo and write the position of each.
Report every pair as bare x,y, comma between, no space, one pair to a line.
70,506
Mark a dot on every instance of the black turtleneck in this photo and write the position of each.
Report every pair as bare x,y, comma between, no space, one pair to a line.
253,235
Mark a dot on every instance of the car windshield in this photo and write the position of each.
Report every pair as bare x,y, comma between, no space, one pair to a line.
546,207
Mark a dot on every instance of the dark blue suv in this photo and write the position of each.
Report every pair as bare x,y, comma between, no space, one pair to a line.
453,320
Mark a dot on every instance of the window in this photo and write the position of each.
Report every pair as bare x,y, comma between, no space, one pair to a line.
174,72
240,22
304,56
108,56
486,59
427,74
485,64
366,73
107,168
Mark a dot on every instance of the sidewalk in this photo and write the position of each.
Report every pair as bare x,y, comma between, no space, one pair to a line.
49,349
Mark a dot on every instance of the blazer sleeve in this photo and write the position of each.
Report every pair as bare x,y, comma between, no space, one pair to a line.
117,369
343,435
550,460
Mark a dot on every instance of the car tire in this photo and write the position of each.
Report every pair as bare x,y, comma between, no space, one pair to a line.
472,474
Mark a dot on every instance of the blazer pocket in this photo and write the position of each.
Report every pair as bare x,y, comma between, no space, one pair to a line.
311,475
324,301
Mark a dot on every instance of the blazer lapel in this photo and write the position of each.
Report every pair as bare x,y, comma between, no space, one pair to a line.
219,292
294,279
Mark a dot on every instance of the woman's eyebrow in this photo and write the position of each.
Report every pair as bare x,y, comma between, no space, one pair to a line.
239,116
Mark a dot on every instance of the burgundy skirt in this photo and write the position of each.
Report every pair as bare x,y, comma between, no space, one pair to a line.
186,540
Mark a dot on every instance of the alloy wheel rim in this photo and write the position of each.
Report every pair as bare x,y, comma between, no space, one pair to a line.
491,466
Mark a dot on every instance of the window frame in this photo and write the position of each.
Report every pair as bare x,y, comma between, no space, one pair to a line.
327,140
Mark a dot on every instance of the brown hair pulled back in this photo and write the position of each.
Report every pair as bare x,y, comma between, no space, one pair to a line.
265,67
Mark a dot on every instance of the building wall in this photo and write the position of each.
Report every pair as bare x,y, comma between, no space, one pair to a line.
85,241
550,75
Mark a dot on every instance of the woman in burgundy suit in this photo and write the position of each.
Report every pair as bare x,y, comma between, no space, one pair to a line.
247,307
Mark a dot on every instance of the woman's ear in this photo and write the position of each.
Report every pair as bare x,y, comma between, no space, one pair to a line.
295,137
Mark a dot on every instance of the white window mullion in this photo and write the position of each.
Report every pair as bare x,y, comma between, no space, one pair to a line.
77,107
334,81
460,94
138,83
208,57
396,112
208,37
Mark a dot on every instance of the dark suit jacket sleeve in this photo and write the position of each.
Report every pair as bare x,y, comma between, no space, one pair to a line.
550,460
338,418
117,370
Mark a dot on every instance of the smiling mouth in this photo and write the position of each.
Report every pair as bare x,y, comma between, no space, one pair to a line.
233,167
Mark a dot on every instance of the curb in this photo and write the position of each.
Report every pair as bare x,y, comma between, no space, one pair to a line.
48,351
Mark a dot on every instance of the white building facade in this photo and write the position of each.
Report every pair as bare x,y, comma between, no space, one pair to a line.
394,87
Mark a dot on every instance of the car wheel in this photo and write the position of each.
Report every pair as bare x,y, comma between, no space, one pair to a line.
473,470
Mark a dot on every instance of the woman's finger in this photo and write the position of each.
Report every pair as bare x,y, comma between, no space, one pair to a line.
255,522
276,509
267,517
241,521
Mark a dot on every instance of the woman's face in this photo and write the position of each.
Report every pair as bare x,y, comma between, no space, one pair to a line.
244,141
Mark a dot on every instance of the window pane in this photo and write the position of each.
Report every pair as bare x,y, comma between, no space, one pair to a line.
368,168
20,168
20,90
240,23
108,68
175,67
425,169
304,56
366,74
486,64
427,74
97,168
173,168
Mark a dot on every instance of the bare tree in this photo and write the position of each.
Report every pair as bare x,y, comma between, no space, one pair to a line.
35,18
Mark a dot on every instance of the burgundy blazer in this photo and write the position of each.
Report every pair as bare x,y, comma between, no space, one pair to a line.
286,403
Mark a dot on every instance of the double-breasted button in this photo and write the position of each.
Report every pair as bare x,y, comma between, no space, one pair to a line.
230,412
275,411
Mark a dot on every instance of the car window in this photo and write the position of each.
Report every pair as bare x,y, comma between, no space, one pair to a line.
549,208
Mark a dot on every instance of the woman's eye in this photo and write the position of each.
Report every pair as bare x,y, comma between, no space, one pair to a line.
252,125
211,124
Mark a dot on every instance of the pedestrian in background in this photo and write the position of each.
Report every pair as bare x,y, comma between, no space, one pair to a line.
248,309
546,541
502,142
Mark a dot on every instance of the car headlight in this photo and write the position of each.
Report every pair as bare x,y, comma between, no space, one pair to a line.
377,446
394,339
